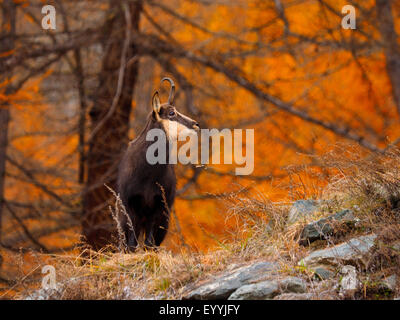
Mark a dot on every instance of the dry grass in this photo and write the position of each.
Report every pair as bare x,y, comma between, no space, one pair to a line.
369,185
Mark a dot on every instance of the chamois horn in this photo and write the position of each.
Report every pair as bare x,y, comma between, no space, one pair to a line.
172,91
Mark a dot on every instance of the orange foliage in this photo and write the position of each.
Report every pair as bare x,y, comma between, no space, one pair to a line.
328,84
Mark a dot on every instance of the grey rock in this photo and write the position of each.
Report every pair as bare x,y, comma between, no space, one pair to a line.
395,246
293,284
221,287
259,291
51,293
350,252
324,227
302,209
268,289
45,294
325,289
389,283
294,296
323,273
349,283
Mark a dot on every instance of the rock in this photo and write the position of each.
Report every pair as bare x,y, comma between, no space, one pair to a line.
258,291
323,273
127,294
389,283
293,284
45,294
268,289
322,228
302,209
349,283
395,246
325,289
223,286
294,296
350,252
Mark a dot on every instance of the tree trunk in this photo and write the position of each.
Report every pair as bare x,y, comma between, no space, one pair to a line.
109,134
80,78
6,45
4,119
392,50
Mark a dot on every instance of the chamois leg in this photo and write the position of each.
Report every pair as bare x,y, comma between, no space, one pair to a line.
156,229
161,230
149,227
131,240
132,236
132,233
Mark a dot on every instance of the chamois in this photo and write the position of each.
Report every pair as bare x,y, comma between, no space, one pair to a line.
148,190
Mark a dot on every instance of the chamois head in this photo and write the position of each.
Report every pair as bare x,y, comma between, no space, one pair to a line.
173,122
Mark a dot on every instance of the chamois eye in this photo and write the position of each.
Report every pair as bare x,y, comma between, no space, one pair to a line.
171,113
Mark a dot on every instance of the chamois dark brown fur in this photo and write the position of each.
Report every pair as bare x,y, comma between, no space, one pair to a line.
148,190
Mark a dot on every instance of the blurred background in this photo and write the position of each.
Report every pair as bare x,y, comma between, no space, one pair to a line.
72,98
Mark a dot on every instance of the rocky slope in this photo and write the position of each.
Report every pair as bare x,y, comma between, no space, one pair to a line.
334,271
343,260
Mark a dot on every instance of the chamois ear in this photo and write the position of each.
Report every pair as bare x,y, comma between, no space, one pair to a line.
156,102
